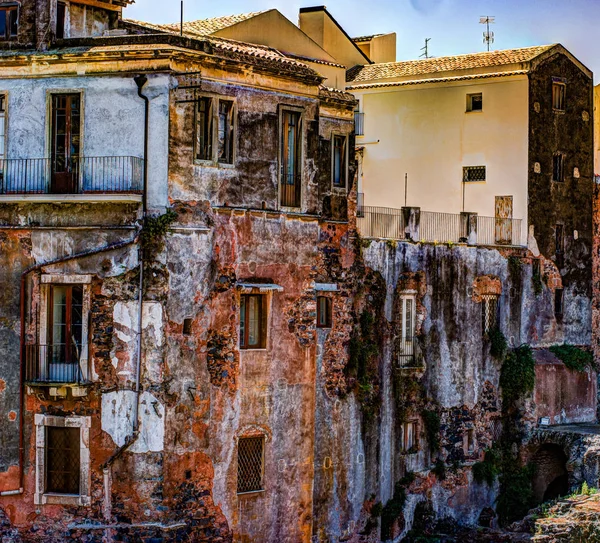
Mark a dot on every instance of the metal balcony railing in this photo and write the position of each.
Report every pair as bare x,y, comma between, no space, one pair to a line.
78,175
408,352
58,363
391,223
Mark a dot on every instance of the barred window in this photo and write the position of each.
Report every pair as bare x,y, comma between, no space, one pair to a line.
489,312
62,460
559,92
323,312
250,464
473,173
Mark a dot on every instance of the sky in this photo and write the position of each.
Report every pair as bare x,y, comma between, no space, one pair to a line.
452,25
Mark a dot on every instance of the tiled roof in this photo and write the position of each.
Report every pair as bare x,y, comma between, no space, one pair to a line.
336,94
387,70
205,27
365,38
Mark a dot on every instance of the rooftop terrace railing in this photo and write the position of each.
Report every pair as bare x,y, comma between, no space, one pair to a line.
410,223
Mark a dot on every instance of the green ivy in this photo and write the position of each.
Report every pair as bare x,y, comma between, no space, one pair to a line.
514,265
516,494
574,358
431,420
488,470
498,343
517,376
538,285
439,469
154,230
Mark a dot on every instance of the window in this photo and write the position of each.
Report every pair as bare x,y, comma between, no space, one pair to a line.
225,153
359,123
469,444
323,312
187,327
409,436
558,302
559,234
406,340
2,128
473,173
340,162
253,321
291,131
62,460
9,21
250,464
204,129
558,167
65,143
489,312
61,12
559,92
474,102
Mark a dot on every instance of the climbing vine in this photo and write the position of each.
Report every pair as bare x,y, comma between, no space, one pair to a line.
498,343
574,358
517,376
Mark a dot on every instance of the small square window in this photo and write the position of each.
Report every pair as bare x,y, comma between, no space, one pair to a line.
474,102
558,167
558,302
473,174
489,313
250,464
253,321
187,327
559,92
323,312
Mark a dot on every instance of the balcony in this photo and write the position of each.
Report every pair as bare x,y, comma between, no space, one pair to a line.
79,178
56,364
410,223
409,354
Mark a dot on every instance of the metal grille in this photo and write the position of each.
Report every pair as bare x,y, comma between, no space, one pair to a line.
489,308
473,173
62,460
496,429
250,464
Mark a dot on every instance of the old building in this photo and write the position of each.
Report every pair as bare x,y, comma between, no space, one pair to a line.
195,341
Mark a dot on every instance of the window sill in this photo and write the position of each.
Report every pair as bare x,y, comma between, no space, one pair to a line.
62,499
474,111
252,349
251,493
559,111
213,164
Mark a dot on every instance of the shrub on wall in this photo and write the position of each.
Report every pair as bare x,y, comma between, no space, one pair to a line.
517,376
574,358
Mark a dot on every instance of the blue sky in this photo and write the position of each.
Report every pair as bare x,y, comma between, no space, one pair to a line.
452,25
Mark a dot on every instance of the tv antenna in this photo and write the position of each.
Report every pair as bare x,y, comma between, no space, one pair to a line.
425,49
488,37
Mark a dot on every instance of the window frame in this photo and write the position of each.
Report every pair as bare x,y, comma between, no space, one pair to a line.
470,102
559,302
300,141
467,169
558,168
486,305
4,135
412,445
213,117
63,24
244,319
328,312
8,8
559,83
41,496
343,167
263,441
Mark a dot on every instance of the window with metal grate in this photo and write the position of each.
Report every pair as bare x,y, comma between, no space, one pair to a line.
489,312
62,460
250,464
473,174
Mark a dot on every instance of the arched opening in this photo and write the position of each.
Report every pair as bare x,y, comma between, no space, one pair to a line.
551,478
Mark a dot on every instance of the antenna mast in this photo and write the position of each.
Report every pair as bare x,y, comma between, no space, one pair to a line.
488,37
425,49
181,27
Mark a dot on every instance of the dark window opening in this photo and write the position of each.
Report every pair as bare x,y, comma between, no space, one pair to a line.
62,460
253,329
469,441
290,159
339,161
204,129
65,330
61,11
474,102
536,267
187,327
473,173
9,22
489,313
323,312
250,464
226,135
409,436
560,245
558,167
559,92
558,302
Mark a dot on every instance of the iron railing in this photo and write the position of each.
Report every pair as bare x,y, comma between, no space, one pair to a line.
408,352
58,363
391,223
79,175
359,123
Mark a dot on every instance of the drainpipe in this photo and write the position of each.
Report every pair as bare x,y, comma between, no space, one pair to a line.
140,81
24,275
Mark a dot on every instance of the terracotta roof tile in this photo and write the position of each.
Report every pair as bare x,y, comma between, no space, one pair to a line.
365,38
387,70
